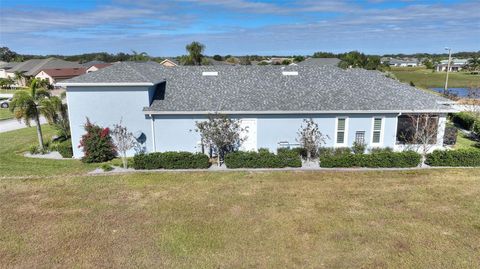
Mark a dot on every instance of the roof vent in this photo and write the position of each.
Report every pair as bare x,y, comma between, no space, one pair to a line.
209,74
290,73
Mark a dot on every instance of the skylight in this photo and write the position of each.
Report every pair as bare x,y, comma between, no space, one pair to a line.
209,74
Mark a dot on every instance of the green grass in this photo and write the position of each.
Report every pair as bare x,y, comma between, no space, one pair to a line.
424,78
12,162
54,215
5,114
465,142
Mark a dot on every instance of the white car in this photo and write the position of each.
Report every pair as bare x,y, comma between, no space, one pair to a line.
5,103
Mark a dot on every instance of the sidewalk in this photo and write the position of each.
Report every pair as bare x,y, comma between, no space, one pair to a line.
10,125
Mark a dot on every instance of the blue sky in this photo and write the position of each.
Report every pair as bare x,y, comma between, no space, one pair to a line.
238,27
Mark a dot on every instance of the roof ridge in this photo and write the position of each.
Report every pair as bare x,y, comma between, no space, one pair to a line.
136,71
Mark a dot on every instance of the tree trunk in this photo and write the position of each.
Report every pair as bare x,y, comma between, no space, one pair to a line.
309,155
39,130
124,160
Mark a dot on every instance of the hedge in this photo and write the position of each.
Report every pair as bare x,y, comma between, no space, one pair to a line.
263,159
464,120
65,149
171,160
372,160
461,157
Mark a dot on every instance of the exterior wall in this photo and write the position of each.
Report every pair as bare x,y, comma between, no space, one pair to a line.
43,75
177,133
106,106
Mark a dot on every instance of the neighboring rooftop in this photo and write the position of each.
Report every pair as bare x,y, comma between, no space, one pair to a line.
186,89
319,62
32,67
65,72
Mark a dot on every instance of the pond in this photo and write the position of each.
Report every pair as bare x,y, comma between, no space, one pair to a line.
460,92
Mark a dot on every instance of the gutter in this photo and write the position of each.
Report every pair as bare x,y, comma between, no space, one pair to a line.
284,112
103,84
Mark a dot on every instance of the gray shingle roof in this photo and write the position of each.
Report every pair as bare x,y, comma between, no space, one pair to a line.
320,62
33,66
265,88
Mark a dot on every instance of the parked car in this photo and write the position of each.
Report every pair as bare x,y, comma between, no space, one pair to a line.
5,103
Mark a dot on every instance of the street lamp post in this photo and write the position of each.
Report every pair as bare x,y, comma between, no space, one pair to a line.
445,89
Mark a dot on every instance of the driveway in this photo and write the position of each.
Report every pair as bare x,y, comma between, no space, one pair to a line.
10,125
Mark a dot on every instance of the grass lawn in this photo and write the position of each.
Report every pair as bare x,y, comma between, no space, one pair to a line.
465,142
59,217
424,78
5,114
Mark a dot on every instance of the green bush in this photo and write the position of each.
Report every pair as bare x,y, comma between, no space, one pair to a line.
464,120
476,127
358,148
65,148
33,149
379,150
372,160
263,159
334,151
106,167
171,160
97,144
461,157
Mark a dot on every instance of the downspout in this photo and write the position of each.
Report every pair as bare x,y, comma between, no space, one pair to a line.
396,129
153,133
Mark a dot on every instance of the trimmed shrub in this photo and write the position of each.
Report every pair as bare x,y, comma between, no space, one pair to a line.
106,167
263,159
372,160
358,148
65,149
476,128
334,151
464,120
171,160
461,157
97,144
380,150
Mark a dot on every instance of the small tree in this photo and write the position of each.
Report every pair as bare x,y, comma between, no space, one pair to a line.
123,140
97,144
310,137
422,134
221,134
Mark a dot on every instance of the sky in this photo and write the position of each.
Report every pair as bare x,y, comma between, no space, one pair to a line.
239,27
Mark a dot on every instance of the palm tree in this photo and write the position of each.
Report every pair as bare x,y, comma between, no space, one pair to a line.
195,50
19,78
474,64
26,105
56,113
139,57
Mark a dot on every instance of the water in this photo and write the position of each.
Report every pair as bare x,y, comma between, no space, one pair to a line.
460,92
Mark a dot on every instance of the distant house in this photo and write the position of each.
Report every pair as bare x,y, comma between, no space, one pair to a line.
5,67
320,62
169,63
455,65
59,74
32,67
160,105
408,62
92,63
96,67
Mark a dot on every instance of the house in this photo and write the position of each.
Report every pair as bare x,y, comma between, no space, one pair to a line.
455,65
55,75
32,67
319,62
96,67
160,105
169,63
407,62
5,67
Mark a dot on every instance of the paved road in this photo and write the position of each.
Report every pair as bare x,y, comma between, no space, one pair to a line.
10,125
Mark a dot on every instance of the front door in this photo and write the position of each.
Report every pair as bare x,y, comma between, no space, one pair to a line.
250,134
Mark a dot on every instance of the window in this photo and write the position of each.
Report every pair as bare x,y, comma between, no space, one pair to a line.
360,137
341,130
377,131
